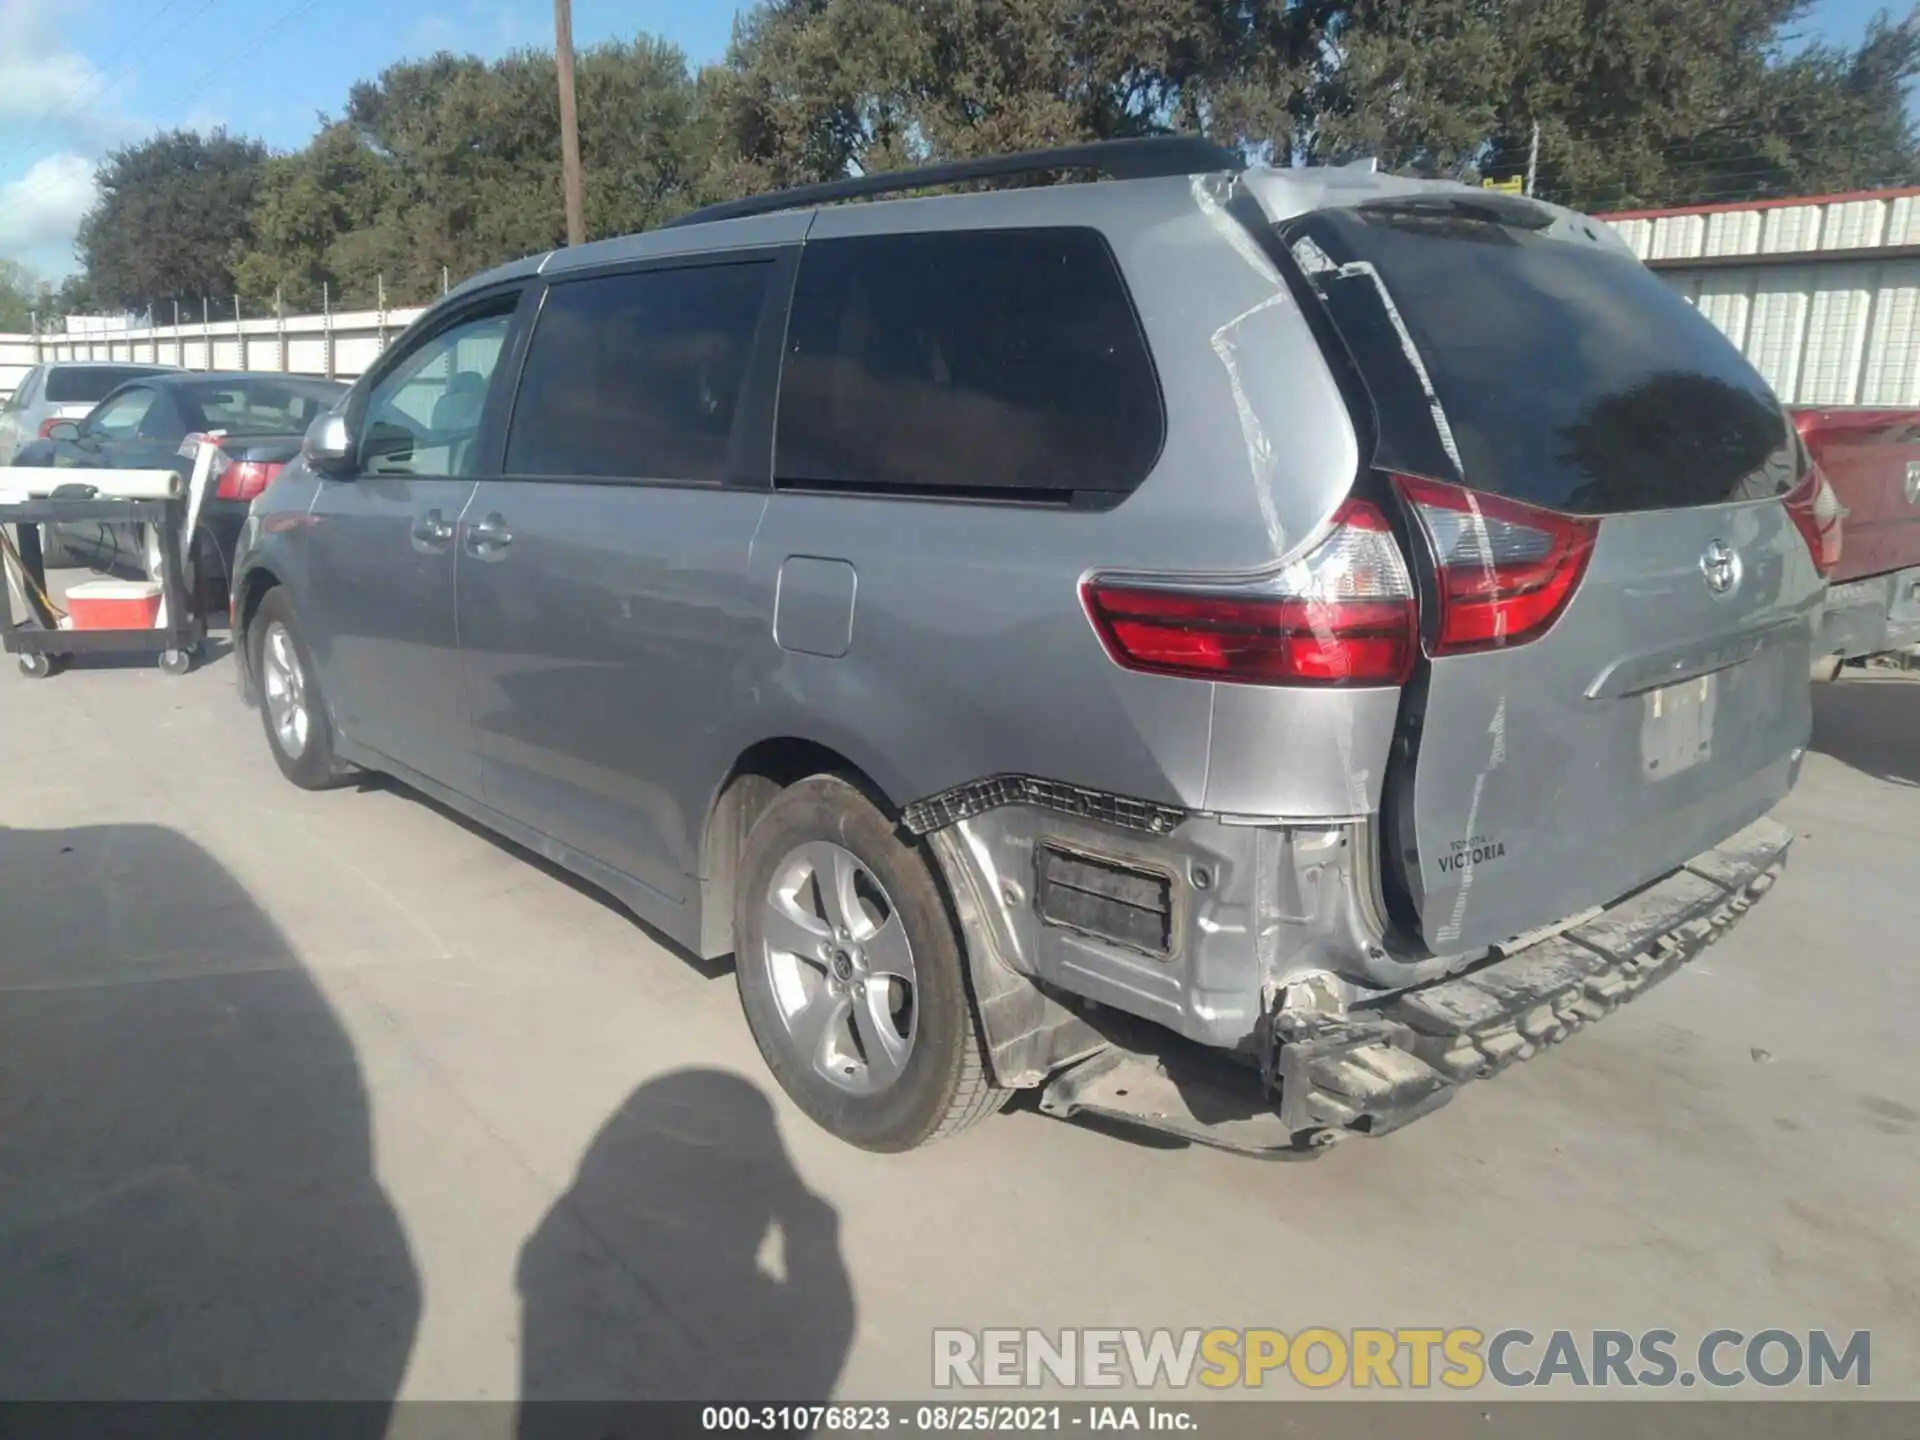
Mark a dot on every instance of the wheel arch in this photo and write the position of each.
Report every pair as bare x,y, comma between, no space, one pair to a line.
757,775
243,604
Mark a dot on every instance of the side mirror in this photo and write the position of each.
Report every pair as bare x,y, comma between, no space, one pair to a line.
63,430
328,448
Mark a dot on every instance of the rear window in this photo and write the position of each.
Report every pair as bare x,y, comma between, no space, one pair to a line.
255,407
74,384
1569,376
987,363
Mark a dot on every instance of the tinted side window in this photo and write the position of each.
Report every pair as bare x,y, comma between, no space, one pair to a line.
638,375
990,360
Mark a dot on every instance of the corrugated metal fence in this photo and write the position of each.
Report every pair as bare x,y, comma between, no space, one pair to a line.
1822,294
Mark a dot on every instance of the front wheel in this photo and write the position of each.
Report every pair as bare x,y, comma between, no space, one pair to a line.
292,708
852,974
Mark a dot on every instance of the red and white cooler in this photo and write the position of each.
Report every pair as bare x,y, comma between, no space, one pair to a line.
114,605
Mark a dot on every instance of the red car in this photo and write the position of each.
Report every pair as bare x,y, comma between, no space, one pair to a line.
1872,459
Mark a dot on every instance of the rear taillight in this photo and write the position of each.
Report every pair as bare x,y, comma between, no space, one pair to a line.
1342,614
245,479
1504,570
1817,514
46,425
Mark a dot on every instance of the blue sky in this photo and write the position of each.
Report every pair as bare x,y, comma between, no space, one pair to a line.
78,77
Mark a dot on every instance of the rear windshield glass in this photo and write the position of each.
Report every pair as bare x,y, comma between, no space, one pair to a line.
74,384
986,363
255,407
1568,375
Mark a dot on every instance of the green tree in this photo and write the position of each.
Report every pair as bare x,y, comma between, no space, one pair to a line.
170,217
1638,102
814,89
308,204
73,296
23,296
455,163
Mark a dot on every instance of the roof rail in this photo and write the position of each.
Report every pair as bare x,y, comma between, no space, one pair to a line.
1143,159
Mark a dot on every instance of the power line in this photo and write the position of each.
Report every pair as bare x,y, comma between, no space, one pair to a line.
99,79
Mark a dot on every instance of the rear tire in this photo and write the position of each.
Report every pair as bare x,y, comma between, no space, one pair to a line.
293,710
907,1066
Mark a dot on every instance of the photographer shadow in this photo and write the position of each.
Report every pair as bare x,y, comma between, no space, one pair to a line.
687,1261
189,1209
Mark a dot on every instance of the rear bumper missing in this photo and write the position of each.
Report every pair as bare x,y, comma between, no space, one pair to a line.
1325,1077
1870,617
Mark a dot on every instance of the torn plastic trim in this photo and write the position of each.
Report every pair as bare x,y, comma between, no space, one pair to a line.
1251,911
1325,1077
1029,1033
977,797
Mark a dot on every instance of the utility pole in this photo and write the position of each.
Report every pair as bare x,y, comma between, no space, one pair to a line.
1533,157
569,122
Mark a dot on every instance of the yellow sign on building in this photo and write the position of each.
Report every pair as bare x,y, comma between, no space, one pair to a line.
1514,186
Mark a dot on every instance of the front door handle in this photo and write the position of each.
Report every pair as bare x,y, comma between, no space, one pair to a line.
432,531
487,538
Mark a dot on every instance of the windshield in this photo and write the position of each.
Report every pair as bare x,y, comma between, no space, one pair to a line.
87,384
1568,375
256,407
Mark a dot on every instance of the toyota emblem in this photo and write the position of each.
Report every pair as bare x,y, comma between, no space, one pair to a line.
1721,567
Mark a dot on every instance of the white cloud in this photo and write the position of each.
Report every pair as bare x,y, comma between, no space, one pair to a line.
59,111
40,211
44,83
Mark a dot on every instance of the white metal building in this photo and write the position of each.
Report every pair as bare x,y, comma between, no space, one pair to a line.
1822,293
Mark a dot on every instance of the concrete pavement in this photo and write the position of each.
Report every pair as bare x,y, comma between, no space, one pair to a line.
335,1095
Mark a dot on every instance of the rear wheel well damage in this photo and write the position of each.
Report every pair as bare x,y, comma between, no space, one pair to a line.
760,774
1019,1022
259,581
246,604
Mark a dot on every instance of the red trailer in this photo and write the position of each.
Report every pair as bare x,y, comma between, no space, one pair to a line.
1871,457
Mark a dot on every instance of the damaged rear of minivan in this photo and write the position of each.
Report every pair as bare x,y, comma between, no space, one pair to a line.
1613,527
1241,652
1614,546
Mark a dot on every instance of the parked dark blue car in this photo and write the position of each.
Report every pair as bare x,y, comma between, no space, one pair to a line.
142,424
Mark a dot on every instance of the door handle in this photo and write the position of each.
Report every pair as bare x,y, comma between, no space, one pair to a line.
432,531
487,538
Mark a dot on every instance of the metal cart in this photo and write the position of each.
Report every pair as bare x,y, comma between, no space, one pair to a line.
43,647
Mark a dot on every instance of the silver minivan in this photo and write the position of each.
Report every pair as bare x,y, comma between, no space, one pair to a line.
1237,651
